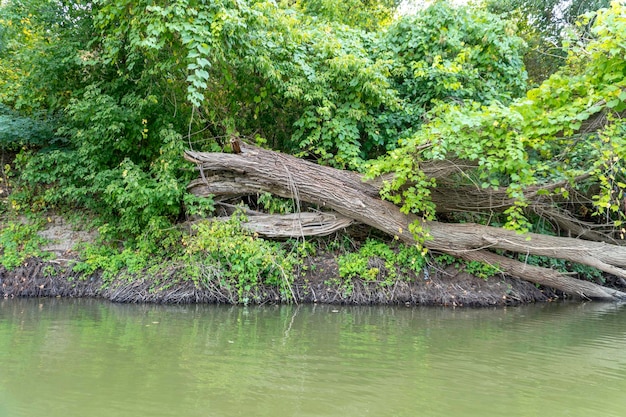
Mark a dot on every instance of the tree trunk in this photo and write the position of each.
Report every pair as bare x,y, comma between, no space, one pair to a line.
258,170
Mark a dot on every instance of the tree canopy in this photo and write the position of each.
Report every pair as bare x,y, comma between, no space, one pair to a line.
544,25
101,98
570,126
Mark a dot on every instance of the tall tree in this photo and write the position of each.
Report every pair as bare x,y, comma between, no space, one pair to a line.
366,14
446,53
542,24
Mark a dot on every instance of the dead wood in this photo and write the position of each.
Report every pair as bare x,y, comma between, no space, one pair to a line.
573,227
258,170
543,276
451,198
447,198
296,225
452,195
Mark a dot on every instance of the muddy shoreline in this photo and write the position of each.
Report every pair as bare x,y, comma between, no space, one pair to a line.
449,287
316,282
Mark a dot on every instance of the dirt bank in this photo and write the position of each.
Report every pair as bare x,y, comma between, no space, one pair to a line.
316,283
448,287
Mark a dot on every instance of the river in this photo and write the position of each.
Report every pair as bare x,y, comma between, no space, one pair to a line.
90,358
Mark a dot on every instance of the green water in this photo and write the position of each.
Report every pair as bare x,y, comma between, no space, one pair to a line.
89,358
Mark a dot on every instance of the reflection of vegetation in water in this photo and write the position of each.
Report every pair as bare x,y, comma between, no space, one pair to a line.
273,360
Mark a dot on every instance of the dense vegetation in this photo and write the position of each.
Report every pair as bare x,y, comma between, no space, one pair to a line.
544,25
98,101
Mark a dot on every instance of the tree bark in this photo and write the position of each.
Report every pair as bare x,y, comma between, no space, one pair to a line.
258,170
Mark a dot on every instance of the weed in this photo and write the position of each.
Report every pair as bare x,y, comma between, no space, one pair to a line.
20,241
481,269
587,272
275,205
475,268
377,262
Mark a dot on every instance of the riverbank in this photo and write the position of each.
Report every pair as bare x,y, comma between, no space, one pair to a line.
316,280
442,287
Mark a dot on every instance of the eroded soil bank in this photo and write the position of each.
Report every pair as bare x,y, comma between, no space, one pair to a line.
441,287
317,282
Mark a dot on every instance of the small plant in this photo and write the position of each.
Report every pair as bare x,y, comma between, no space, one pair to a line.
303,248
475,268
377,262
481,269
587,272
48,271
446,260
275,205
356,265
146,254
198,206
346,286
18,242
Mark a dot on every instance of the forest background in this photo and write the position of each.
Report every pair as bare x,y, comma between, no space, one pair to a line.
100,99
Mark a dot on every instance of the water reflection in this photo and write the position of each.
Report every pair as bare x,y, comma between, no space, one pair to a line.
91,358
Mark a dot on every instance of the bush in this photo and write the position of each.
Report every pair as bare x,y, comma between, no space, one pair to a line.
377,262
238,258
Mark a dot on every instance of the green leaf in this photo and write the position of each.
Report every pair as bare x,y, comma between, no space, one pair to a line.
613,103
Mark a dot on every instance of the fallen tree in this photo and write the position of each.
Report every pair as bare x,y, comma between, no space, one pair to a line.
255,170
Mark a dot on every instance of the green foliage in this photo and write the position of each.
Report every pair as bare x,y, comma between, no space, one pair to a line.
445,259
102,98
138,74
584,271
275,205
135,180
592,85
450,54
41,56
377,262
537,139
198,206
19,241
487,135
543,24
112,146
257,69
110,261
481,269
333,86
146,254
17,131
478,269
217,254
367,14
452,66
447,53
238,259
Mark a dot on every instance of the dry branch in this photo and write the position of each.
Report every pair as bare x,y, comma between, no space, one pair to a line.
451,197
258,170
543,276
297,224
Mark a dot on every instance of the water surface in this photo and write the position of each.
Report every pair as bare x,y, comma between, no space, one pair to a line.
89,358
